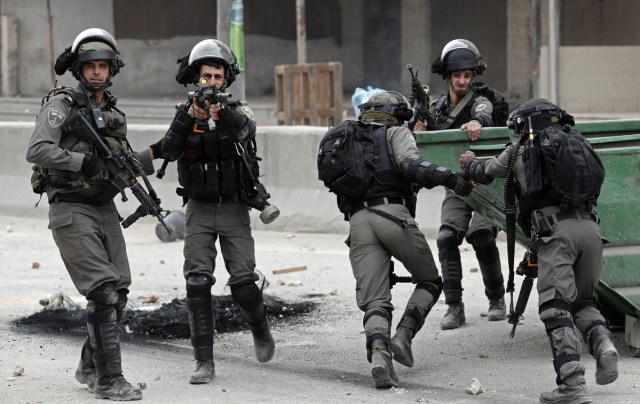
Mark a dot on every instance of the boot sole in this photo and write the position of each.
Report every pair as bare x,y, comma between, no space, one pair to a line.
128,397
607,368
452,326
382,378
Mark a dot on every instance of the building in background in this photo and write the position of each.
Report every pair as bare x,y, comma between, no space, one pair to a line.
374,39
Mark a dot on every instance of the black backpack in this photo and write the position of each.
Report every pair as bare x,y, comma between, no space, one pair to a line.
568,170
500,104
346,159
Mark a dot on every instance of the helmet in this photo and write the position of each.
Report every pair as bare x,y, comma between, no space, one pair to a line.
385,108
535,115
214,51
90,44
458,54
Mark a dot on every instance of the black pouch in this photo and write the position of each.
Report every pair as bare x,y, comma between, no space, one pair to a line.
211,184
541,224
197,180
228,177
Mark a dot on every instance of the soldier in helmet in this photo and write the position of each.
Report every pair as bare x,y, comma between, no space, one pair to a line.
82,215
459,64
382,226
209,170
569,256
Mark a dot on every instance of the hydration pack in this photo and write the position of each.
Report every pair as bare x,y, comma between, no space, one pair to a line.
346,159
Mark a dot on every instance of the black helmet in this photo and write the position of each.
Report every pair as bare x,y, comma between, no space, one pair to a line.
385,108
458,54
540,113
214,51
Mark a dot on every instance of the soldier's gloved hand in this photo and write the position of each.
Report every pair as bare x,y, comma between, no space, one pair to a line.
460,184
92,166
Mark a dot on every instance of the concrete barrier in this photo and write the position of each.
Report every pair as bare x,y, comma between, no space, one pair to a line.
288,167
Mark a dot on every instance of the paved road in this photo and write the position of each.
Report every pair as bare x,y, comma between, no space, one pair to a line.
320,358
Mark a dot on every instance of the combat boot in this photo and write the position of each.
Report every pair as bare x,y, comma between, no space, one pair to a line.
572,390
384,376
401,341
86,371
251,303
497,310
116,388
204,373
454,317
606,355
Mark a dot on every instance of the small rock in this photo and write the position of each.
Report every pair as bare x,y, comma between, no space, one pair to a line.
9,229
10,379
420,400
475,388
294,283
142,386
44,301
290,236
35,265
18,370
162,262
151,299
483,354
473,269
334,292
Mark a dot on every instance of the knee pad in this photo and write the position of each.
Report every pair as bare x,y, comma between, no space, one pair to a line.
247,295
481,239
199,286
447,238
433,287
104,296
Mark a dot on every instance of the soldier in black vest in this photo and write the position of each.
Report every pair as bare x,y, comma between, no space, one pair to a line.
209,140
569,256
382,226
460,107
82,215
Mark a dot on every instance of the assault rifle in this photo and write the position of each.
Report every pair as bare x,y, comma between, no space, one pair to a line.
393,278
529,268
123,168
420,100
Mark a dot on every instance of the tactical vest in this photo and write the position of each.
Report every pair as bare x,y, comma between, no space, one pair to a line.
210,167
439,112
387,181
114,134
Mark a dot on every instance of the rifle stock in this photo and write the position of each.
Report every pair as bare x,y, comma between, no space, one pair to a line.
123,168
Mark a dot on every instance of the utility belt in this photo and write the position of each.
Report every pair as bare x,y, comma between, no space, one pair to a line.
376,202
543,225
93,200
213,200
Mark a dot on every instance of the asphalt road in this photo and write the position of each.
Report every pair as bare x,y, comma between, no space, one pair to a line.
320,357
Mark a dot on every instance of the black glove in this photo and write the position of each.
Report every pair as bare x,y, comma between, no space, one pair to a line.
459,183
92,166
64,61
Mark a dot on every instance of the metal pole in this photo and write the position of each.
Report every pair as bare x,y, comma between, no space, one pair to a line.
554,46
301,32
237,89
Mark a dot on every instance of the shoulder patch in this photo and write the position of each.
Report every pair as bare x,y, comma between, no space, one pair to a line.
247,111
56,117
481,107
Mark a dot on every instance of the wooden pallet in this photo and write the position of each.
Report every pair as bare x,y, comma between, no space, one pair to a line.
309,94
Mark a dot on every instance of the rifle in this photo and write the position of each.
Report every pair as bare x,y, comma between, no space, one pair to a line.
420,100
123,168
393,278
204,92
529,268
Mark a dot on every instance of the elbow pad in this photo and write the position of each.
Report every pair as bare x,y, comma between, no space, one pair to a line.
425,173
176,138
475,169
236,125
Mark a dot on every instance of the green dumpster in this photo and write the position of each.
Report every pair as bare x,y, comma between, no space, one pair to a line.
618,142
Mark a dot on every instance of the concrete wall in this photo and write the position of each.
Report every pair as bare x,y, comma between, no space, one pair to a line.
595,79
289,173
